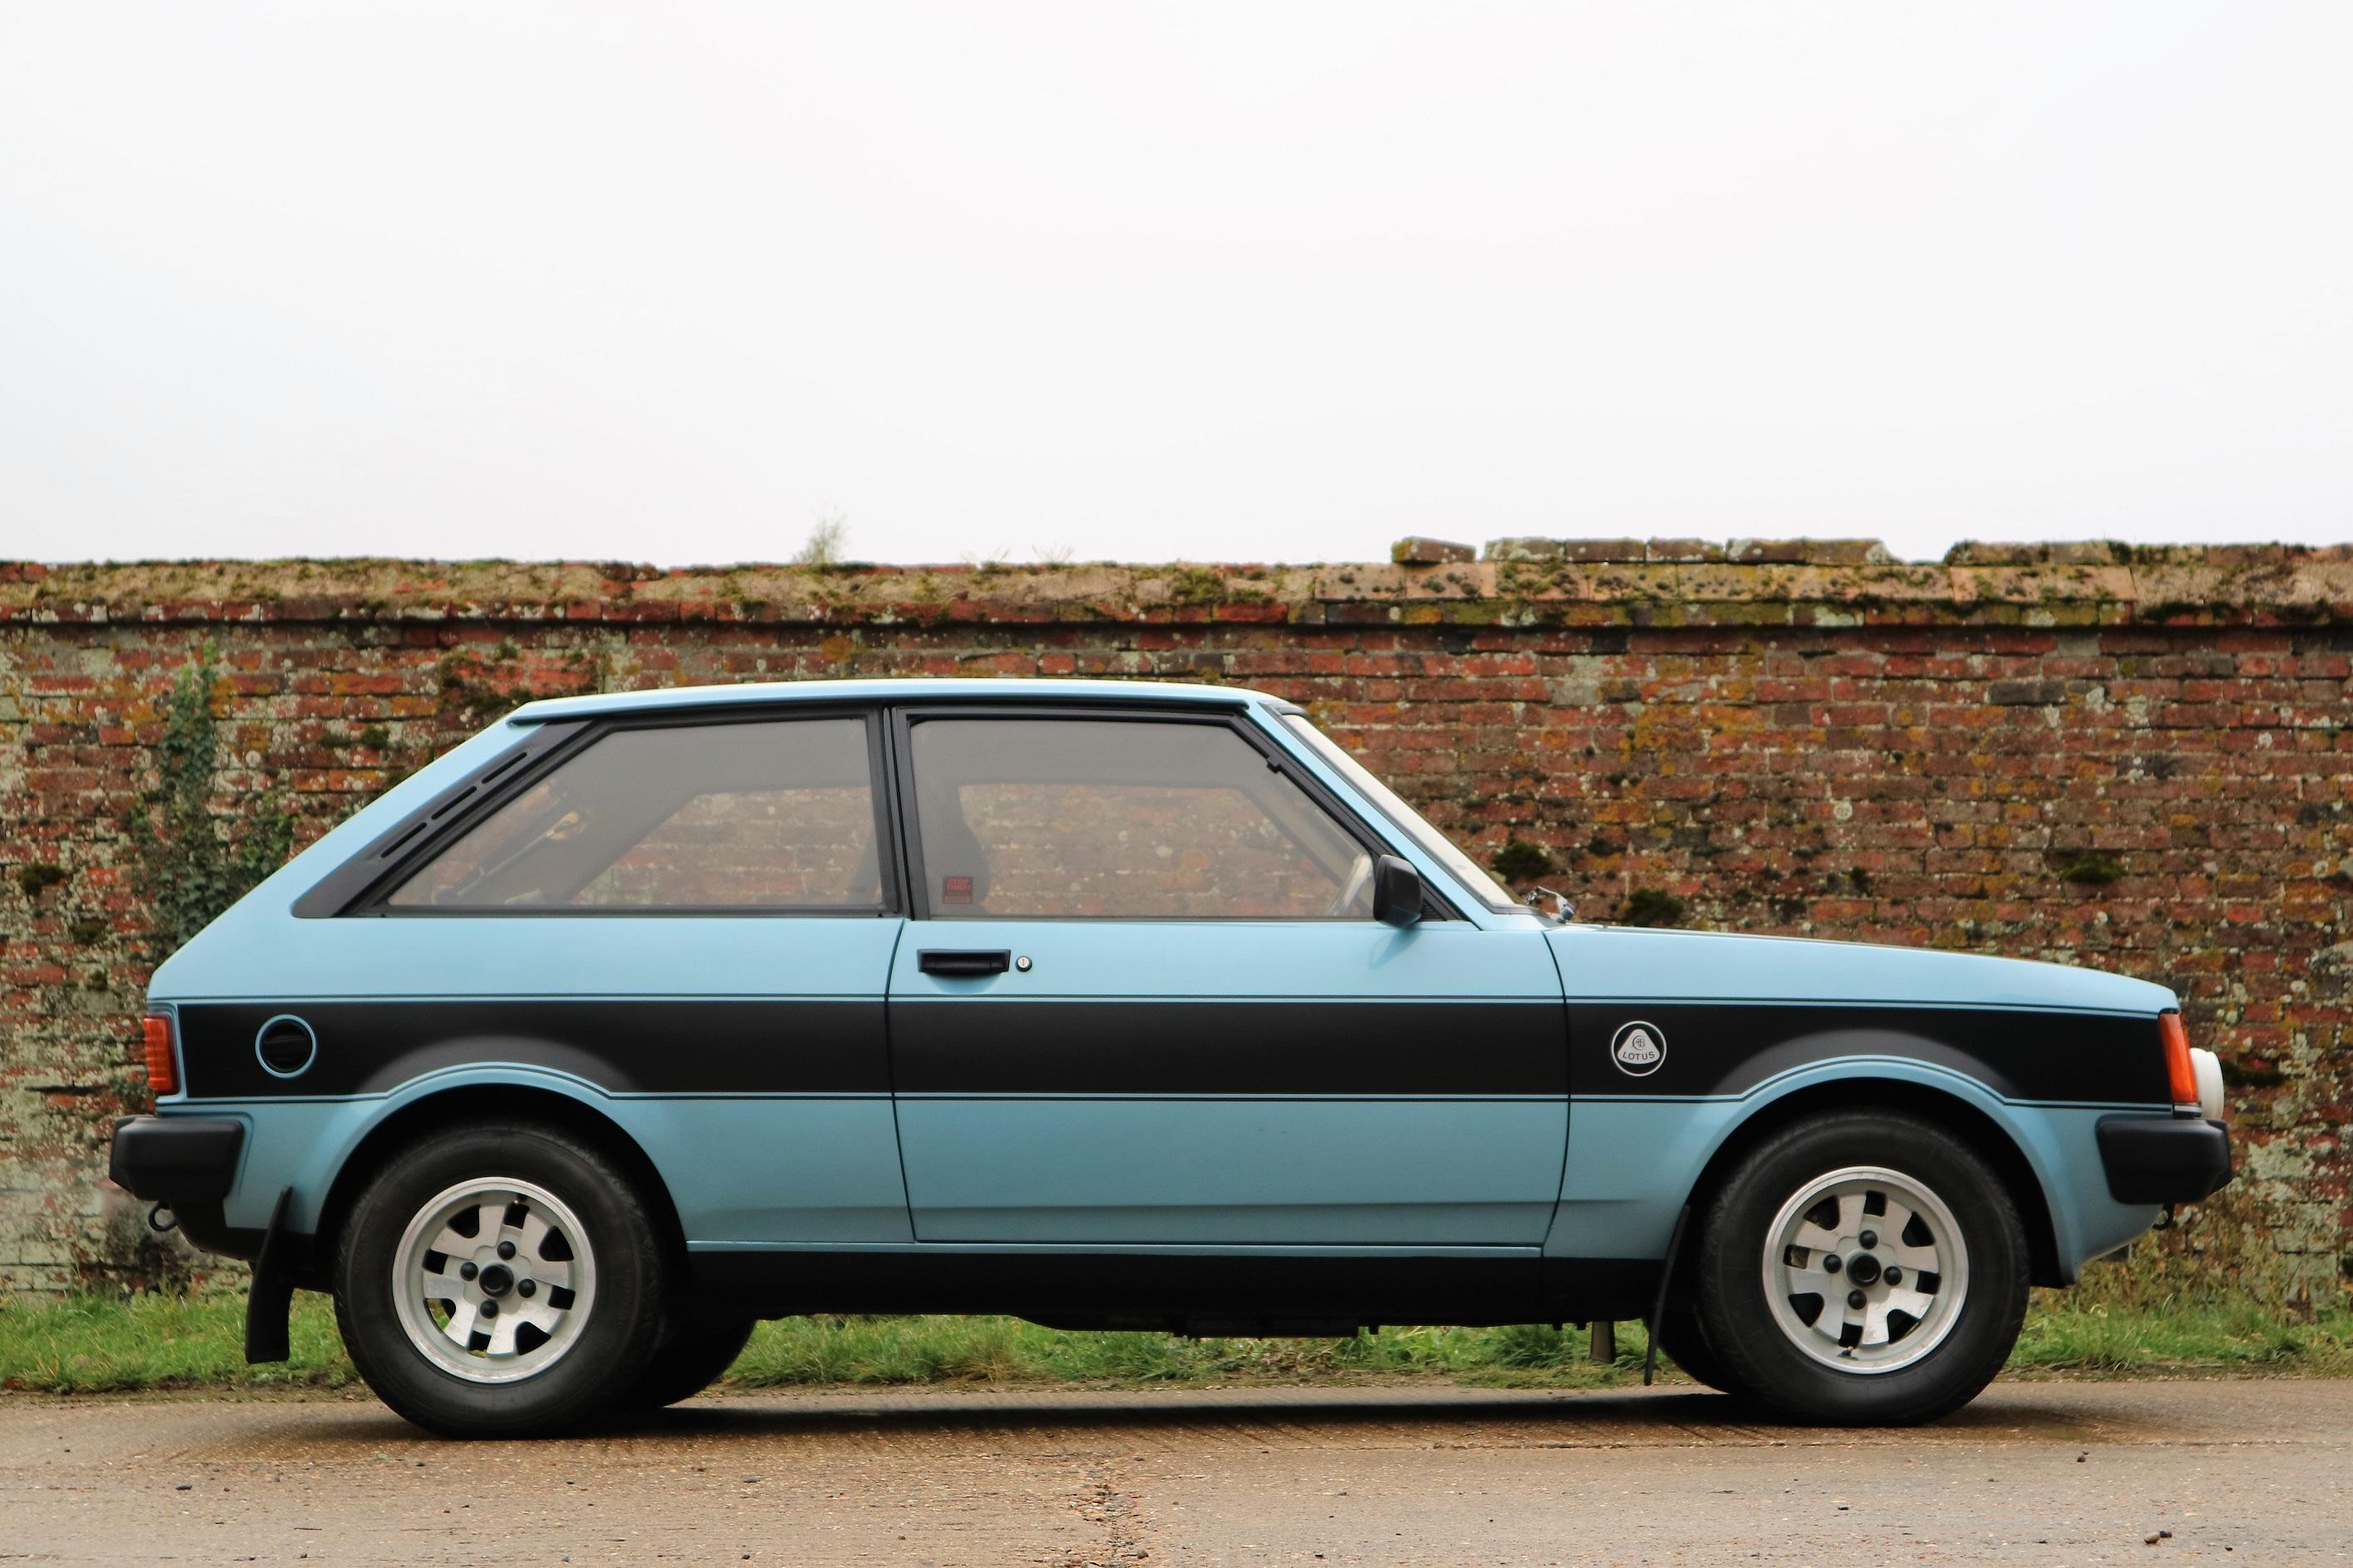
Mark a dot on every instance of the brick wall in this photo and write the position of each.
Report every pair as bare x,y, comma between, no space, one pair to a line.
2135,759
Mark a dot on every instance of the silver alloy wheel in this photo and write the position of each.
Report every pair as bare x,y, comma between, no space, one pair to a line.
494,1279
1866,1270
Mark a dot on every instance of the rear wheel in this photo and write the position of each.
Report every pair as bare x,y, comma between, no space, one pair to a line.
1861,1267
694,1357
500,1282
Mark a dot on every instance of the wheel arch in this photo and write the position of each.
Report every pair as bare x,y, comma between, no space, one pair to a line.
502,1101
1972,1122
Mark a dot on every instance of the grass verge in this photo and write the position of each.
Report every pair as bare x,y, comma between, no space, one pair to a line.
91,1345
98,1345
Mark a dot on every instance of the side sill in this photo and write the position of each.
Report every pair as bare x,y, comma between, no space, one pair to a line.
1183,1293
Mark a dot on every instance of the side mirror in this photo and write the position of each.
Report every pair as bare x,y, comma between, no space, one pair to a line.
1397,891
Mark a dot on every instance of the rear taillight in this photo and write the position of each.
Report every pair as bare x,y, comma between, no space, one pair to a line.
163,1066
2178,1069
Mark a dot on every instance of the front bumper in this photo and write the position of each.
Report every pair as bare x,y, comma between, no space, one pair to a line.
2159,1159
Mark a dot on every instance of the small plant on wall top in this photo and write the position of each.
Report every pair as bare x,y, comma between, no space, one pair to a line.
189,865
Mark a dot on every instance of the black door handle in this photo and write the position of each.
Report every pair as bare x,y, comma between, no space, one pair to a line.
964,962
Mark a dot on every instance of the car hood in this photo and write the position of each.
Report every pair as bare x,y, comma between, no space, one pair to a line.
1630,962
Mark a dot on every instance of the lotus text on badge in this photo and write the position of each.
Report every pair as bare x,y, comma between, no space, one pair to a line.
1638,1049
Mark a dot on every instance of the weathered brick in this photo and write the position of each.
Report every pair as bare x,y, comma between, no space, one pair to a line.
1604,551
1419,550
1666,552
2026,693
1524,549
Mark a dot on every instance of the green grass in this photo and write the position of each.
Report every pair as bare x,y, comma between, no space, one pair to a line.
96,1344
88,1344
2064,1335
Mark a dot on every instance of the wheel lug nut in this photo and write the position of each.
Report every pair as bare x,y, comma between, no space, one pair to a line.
1893,1276
506,1250
467,1271
1869,1239
490,1308
1830,1263
528,1287
1854,1298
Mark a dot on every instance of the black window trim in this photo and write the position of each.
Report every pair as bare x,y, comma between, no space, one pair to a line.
364,884
1436,904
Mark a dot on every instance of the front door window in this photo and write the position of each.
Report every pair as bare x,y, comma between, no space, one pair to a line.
1122,820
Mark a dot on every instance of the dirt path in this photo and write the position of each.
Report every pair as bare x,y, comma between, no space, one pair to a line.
2237,1471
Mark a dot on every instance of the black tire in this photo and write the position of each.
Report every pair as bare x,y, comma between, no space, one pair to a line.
697,1352
620,1325
1681,1339
1777,1361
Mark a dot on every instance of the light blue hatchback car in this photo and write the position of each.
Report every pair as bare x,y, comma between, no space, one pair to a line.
638,1018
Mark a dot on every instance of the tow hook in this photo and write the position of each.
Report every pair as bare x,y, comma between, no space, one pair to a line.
162,1220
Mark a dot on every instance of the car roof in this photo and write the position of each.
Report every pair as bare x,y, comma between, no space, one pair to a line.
910,690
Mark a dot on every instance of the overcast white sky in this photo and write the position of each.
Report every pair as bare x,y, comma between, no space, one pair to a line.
670,282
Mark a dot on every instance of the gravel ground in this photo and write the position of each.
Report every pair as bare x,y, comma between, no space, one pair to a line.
2247,1471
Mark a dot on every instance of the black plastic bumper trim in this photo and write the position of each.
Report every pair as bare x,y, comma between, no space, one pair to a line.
185,1160
2164,1159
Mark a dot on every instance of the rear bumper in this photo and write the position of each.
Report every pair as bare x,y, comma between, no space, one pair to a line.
177,1159
2158,1159
187,1163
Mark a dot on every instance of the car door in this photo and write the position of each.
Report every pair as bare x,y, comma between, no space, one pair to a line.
1144,1001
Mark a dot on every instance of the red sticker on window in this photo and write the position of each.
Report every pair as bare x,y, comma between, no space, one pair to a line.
956,889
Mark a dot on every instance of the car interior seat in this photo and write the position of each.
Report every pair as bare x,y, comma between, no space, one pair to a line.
955,867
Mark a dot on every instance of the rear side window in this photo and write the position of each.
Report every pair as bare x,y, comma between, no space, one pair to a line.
771,814
1056,819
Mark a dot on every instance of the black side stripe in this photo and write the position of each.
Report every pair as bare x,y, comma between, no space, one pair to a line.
1238,1048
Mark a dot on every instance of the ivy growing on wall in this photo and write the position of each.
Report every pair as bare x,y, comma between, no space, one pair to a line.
190,862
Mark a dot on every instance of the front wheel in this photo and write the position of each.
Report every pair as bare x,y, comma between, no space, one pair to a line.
500,1282
1861,1267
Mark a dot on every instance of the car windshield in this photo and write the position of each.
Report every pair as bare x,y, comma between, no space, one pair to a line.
1432,842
